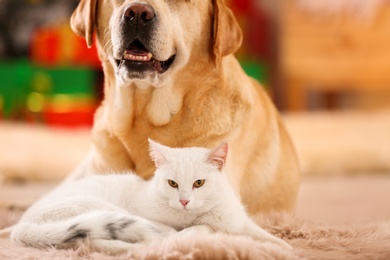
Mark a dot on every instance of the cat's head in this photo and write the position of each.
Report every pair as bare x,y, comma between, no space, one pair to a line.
189,178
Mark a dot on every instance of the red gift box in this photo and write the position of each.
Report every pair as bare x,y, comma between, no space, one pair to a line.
59,46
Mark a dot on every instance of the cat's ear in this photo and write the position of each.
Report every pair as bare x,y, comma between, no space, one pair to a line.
217,157
156,154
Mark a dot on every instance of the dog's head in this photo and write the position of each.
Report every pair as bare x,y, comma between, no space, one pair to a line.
149,41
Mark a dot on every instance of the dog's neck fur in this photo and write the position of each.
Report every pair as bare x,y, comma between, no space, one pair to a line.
197,101
129,101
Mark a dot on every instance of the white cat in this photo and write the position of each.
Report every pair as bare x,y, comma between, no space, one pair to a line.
189,191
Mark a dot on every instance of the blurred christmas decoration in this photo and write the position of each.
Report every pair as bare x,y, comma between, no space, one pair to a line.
20,18
49,76
59,46
60,96
254,54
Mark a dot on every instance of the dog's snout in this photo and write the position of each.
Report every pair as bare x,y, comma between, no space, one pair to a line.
138,12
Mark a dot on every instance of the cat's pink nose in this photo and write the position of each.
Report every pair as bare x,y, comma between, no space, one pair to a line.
184,202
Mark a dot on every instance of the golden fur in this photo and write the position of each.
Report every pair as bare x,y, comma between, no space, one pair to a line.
203,98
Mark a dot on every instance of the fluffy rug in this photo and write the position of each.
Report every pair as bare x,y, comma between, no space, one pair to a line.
309,240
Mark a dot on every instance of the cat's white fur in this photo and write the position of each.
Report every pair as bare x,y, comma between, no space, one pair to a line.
115,211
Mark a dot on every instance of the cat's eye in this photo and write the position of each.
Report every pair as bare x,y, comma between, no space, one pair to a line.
173,184
198,183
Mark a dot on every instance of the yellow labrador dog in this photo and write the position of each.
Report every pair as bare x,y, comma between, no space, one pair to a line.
170,75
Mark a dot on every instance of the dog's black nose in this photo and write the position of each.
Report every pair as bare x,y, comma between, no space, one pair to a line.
141,13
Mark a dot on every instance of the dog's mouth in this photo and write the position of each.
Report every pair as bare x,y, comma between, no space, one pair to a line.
139,59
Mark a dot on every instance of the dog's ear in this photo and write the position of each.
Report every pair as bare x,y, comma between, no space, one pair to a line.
83,20
227,32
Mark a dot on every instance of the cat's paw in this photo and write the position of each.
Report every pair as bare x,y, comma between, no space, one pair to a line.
281,243
111,247
195,230
267,237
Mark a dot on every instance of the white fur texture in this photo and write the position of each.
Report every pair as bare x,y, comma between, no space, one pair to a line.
115,211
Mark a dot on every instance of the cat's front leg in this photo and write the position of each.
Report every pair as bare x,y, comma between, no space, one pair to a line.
195,230
256,232
237,223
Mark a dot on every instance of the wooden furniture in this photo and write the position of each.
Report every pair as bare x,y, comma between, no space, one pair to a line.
332,53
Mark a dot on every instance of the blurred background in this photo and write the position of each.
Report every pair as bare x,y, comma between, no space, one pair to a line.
309,56
325,63
48,75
